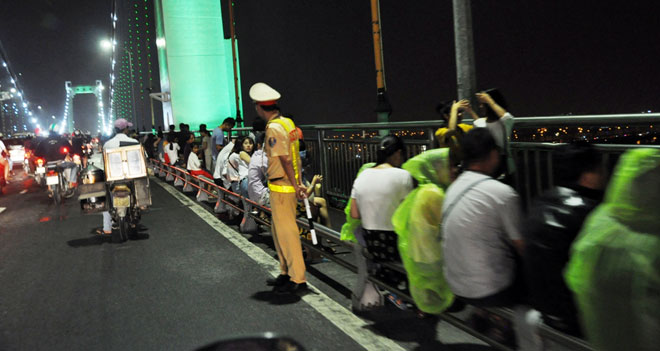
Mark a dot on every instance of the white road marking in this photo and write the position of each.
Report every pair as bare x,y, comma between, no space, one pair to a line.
346,321
2,209
23,191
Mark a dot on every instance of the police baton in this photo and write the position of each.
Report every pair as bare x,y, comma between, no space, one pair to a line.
309,220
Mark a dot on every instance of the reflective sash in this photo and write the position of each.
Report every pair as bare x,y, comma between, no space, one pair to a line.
294,136
281,188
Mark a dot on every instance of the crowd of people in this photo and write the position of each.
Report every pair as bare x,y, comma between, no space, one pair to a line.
451,216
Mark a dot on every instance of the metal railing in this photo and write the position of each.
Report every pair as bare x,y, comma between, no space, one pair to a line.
338,150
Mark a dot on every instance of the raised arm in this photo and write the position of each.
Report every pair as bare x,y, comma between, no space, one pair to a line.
484,98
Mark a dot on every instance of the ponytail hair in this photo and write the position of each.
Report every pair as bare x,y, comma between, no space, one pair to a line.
388,147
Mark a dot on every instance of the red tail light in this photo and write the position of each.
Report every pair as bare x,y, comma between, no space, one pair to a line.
64,150
40,161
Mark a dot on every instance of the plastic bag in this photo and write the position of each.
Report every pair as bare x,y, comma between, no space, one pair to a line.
614,269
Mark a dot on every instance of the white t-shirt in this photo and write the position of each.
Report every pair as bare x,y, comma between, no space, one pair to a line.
378,192
221,161
172,151
237,169
501,131
117,139
484,217
193,162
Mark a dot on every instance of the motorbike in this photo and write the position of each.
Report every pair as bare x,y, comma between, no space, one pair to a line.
122,189
52,173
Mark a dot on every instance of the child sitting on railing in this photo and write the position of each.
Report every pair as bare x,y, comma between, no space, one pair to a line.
195,165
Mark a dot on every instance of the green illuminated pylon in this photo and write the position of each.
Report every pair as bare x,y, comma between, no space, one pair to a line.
196,70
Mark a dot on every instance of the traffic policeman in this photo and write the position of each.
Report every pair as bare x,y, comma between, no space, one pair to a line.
284,182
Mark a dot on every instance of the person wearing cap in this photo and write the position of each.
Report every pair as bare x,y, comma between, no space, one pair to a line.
284,181
121,136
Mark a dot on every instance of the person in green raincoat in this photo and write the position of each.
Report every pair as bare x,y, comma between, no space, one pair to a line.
417,222
614,269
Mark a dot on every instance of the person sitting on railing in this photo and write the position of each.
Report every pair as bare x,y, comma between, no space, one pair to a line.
482,240
417,222
220,169
172,150
614,268
257,179
376,194
500,124
553,222
237,165
318,205
195,165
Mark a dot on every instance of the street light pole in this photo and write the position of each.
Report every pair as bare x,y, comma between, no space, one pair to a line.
130,64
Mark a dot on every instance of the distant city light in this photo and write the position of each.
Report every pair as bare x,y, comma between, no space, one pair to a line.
39,107
13,90
33,120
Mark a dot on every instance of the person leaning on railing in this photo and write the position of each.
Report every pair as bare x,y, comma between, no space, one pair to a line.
482,239
553,222
492,108
418,223
376,194
614,268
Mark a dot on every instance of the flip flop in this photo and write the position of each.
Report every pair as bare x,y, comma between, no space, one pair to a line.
100,231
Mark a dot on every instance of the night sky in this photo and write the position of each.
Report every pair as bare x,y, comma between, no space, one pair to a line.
547,57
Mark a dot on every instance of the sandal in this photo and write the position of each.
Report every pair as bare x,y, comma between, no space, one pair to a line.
100,231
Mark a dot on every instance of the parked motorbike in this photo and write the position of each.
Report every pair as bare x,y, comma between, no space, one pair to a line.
122,190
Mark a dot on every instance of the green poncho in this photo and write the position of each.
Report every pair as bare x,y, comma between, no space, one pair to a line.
347,230
417,222
614,270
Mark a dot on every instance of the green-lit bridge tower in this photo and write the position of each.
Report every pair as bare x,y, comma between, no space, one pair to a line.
71,92
198,79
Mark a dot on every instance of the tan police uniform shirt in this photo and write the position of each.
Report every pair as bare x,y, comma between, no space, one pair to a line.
277,144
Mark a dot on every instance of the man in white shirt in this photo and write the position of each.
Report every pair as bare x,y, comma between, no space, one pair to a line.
482,241
481,226
121,136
